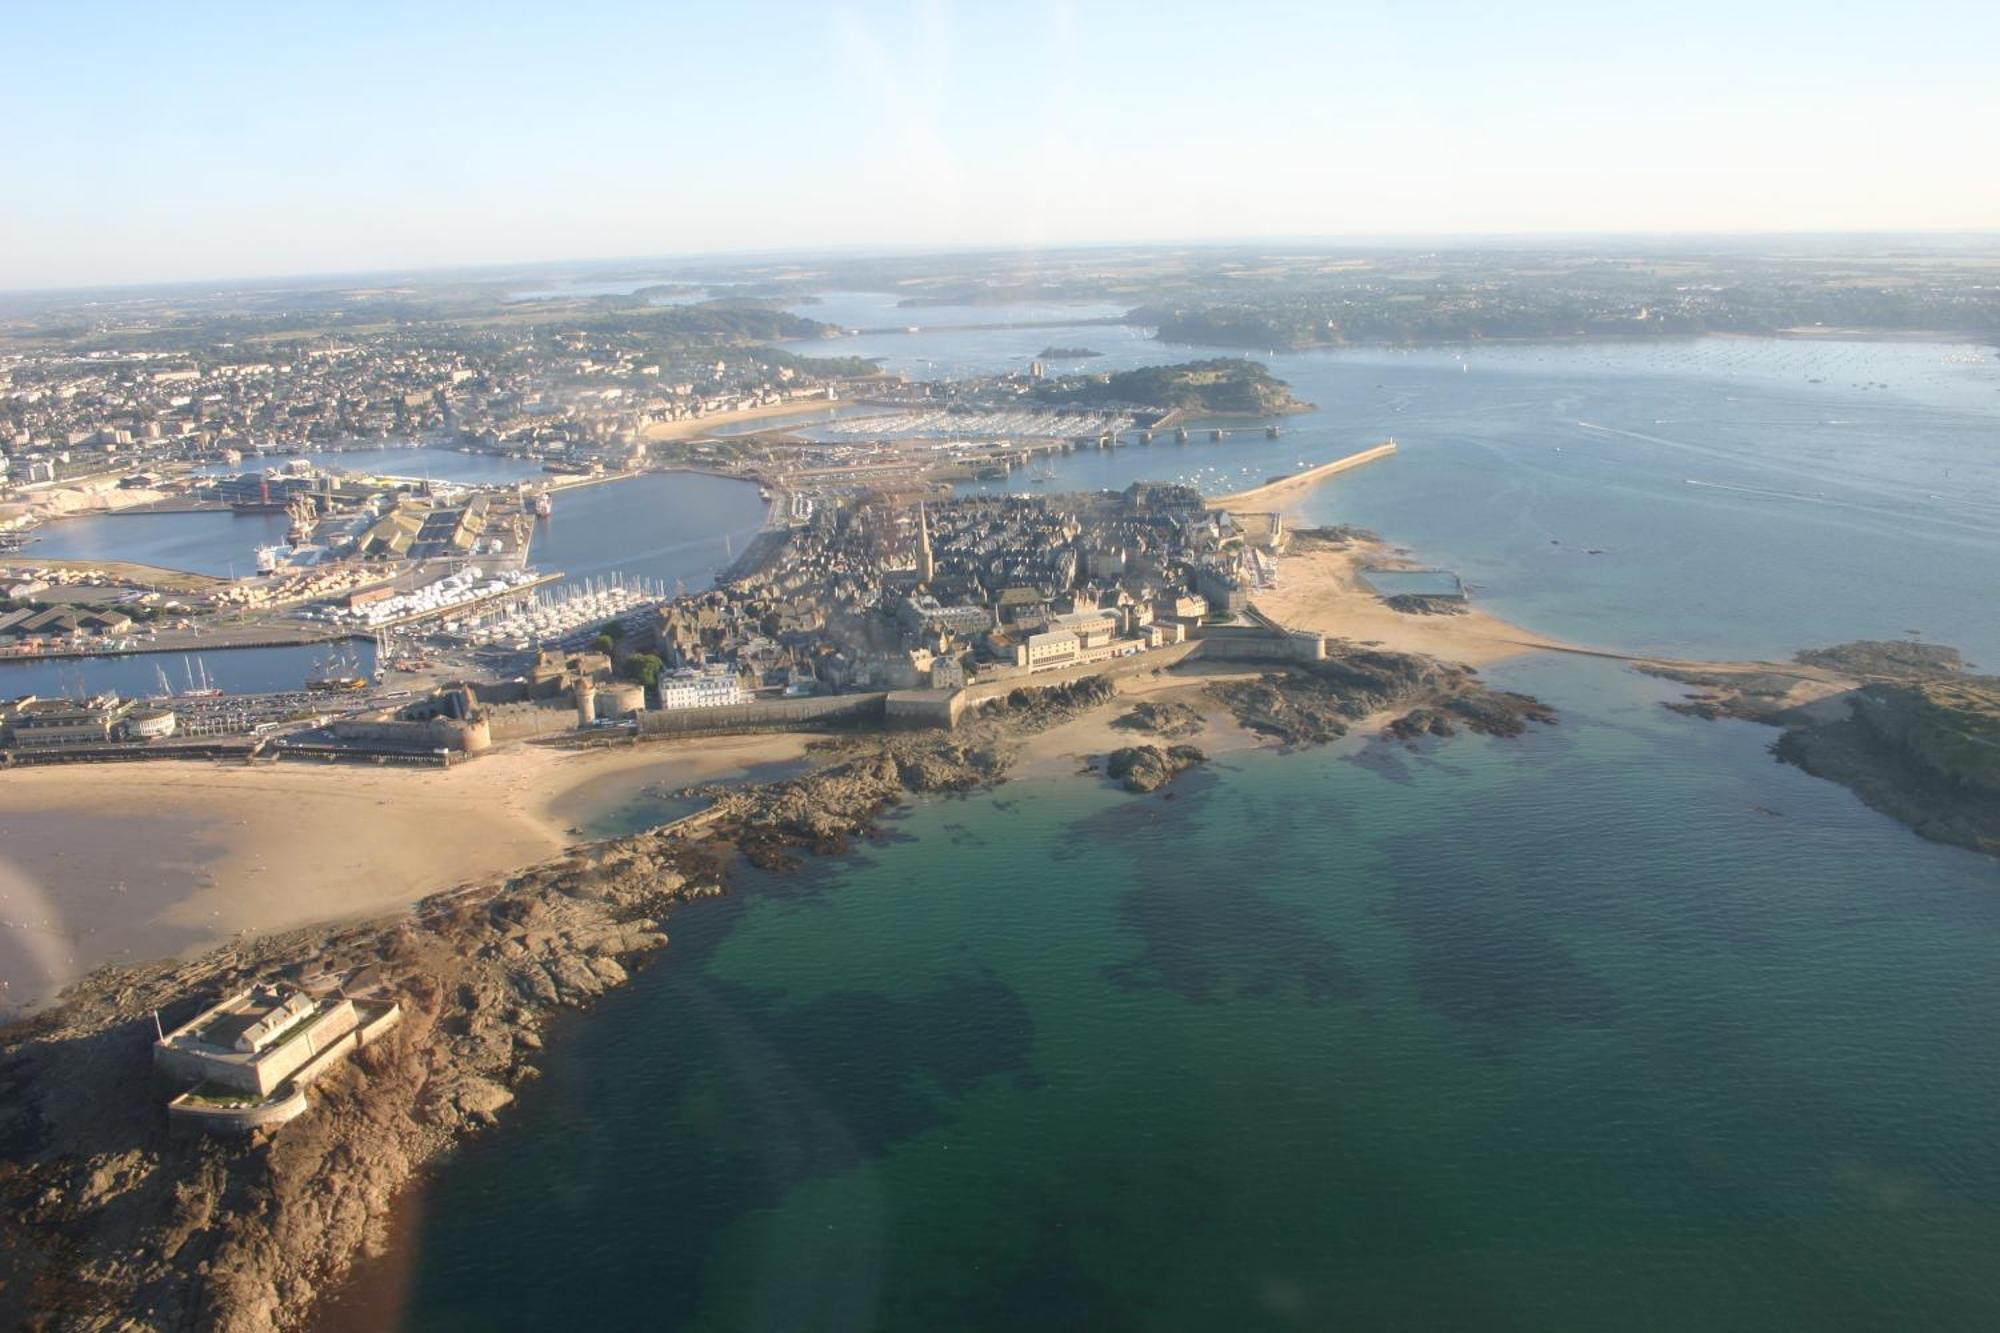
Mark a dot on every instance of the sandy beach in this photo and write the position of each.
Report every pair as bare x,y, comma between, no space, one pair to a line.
124,862
1320,588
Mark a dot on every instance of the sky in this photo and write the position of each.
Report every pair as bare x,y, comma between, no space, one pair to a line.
155,142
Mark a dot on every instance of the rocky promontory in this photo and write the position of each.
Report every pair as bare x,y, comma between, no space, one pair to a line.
1316,703
1906,726
111,1220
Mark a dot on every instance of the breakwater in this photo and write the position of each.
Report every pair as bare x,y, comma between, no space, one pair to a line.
1279,487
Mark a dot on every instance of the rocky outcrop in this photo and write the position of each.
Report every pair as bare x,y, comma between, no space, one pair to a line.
1487,712
1888,659
1172,720
1318,703
824,810
1337,537
108,1220
1424,604
1147,768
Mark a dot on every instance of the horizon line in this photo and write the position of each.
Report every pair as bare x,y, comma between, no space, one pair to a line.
1386,240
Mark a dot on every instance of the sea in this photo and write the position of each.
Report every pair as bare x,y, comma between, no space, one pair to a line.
1620,1024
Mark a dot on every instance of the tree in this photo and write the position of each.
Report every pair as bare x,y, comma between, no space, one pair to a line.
645,668
603,643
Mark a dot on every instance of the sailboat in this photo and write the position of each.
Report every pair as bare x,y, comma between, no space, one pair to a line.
199,686
343,673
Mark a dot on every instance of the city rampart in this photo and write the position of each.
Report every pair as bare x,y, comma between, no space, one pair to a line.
518,721
765,715
433,733
925,708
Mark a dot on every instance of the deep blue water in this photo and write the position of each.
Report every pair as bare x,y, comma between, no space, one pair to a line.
1617,1025
669,526
217,543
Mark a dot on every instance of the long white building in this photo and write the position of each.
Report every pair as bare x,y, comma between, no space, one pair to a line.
701,689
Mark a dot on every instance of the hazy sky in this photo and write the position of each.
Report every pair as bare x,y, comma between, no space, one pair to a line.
163,141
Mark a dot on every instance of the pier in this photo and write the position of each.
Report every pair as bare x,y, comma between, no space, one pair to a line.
1278,487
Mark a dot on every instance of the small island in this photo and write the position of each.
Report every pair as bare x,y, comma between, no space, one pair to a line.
1906,726
1225,386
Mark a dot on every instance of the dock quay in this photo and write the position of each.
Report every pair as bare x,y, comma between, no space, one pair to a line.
210,641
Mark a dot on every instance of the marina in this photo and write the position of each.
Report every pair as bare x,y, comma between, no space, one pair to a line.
563,615
451,595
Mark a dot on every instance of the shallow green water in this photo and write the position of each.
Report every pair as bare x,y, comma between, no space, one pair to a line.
1618,1025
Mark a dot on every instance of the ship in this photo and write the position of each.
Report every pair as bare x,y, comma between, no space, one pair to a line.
336,684
304,516
340,676
544,506
199,685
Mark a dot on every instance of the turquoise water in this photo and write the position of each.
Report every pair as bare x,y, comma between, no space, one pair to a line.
1619,1025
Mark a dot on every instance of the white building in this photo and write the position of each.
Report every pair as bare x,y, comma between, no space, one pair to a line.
701,689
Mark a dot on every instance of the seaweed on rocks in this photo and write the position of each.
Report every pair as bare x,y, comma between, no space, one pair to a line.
1317,702
1147,768
1423,604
